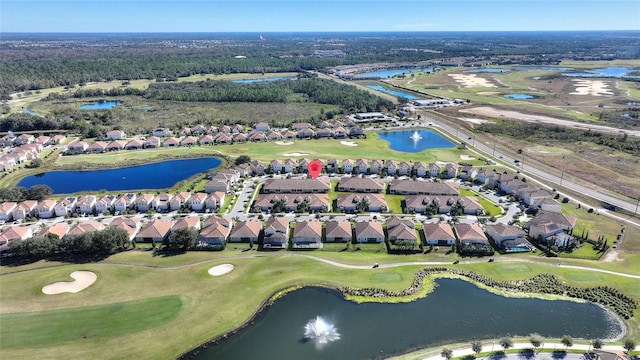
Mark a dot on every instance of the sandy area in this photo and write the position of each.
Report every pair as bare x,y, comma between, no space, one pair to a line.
295,154
472,81
220,269
284,142
591,87
476,121
82,280
466,157
514,115
489,93
348,143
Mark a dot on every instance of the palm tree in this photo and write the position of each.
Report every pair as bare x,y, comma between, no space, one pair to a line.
567,341
506,343
446,353
476,346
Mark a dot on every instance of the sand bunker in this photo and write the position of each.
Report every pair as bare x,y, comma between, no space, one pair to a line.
284,142
466,157
82,280
348,143
295,154
489,93
220,269
472,81
591,87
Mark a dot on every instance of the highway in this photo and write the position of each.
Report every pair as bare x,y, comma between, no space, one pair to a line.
489,151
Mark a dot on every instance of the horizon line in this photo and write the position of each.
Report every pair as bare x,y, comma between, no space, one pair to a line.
311,31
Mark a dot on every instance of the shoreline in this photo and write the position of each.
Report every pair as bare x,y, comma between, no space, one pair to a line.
413,293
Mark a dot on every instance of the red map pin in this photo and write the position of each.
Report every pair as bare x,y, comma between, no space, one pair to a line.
315,168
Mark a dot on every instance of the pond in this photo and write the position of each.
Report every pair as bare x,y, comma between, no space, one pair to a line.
541,67
413,141
27,111
158,175
392,92
519,96
457,311
392,72
100,105
247,81
615,72
487,70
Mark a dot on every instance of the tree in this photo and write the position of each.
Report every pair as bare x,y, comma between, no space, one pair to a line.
506,343
181,239
597,343
446,353
38,192
242,159
567,341
476,346
629,344
536,340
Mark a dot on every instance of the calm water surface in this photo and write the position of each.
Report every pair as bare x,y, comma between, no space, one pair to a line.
158,175
615,72
392,92
487,70
457,311
406,141
519,96
246,81
391,73
100,105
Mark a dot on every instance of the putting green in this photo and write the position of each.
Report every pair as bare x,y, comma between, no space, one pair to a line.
62,326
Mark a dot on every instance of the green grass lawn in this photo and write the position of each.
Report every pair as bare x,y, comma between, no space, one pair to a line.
78,324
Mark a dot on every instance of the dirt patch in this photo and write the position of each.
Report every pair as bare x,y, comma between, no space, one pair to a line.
82,280
515,115
220,270
476,121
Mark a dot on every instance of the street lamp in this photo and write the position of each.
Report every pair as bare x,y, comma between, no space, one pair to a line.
494,150
561,177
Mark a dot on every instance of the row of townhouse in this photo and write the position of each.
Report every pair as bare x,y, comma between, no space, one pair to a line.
20,154
509,184
11,140
90,204
360,166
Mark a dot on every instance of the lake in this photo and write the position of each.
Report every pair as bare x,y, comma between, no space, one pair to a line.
247,81
541,67
519,96
487,70
392,92
158,175
457,311
100,105
392,72
413,141
615,72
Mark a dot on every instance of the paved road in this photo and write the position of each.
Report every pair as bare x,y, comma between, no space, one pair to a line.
463,136
539,356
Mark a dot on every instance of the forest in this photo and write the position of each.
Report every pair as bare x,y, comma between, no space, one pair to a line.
39,61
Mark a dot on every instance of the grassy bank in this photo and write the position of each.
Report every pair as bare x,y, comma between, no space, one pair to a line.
224,302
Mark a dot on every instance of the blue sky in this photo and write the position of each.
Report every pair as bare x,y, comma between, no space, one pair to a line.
317,15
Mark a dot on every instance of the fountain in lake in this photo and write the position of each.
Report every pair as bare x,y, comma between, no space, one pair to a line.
416,136
321,331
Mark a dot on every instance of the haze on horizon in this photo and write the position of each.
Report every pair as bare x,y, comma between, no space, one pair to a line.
121,16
